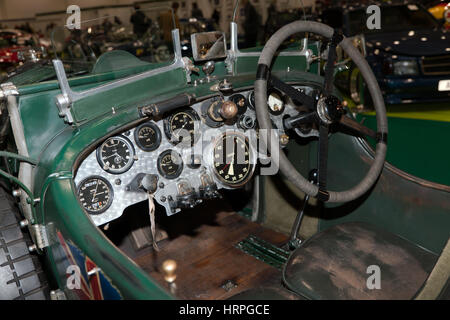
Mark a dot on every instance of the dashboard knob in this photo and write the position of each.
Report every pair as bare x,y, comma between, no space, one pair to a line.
228,110
169,267
208,67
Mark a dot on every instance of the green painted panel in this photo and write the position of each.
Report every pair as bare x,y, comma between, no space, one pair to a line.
40,118
99,104
418,147
131,281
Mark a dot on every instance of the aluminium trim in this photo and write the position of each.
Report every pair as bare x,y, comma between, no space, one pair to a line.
40,235
234,53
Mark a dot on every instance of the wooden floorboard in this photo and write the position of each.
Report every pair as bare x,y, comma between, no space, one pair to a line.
202,243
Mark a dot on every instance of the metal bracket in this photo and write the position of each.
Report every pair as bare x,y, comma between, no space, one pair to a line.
234,53
40,235
8,89
57,295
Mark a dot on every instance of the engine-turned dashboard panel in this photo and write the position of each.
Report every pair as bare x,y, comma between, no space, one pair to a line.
181,160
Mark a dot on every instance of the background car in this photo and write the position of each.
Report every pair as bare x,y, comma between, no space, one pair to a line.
410,54
17,46
441,11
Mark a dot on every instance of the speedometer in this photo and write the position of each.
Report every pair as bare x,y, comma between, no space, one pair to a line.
116,155
233,159
95,194
182,127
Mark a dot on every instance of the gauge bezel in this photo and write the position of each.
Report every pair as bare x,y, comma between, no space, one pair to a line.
164,174
168,130
111,193
235,98
252,162
251,105
127,166
251,96
153,126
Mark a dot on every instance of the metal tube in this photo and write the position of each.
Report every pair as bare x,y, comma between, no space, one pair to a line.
25,169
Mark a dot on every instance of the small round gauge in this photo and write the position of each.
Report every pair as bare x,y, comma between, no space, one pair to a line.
233,159
116,155
182,127
275,103
147,136
95,194
170,164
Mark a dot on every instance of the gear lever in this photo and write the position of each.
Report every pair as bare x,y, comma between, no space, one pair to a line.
169,267
294,240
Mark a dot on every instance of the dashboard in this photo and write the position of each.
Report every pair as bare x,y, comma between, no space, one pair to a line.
181,160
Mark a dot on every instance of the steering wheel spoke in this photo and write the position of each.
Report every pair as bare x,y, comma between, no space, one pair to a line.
293,93
299,120
330,65
356,127
323,162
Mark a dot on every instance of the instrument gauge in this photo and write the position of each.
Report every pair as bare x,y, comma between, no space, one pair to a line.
170,164
182,127
275,103
116,155
95,194
147,136
233,159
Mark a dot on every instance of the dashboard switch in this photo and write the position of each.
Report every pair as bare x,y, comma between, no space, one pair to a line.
208,189
186,197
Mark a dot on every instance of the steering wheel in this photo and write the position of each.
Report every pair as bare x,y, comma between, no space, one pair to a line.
325,109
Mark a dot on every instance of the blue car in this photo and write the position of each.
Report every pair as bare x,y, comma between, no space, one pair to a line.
409,54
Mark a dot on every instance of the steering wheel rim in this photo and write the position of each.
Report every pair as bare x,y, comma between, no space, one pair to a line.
264,121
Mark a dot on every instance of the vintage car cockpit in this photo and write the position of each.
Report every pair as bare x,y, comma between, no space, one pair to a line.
233,173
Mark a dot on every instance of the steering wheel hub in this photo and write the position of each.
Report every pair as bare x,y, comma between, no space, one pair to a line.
329,109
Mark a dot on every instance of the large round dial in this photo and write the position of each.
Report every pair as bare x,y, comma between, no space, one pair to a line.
147,136
170,164
182,127
95,194
116,155
233,159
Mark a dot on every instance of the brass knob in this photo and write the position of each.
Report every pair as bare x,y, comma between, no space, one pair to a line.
169,267
284,139
228,110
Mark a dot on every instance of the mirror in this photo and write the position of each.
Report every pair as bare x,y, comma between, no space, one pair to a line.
208,45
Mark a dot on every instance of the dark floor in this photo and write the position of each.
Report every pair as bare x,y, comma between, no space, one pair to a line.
202,241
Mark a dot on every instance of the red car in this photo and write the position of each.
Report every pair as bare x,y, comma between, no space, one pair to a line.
11,43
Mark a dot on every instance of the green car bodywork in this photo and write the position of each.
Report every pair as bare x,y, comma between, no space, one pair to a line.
59,147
